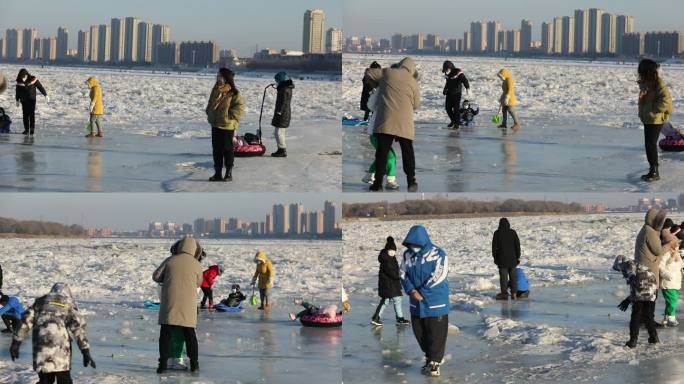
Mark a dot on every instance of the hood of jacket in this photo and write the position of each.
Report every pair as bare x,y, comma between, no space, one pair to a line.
92,82
408,64
286,84
61,292
417,235
260,257
504,224
186,245
504,73
655,218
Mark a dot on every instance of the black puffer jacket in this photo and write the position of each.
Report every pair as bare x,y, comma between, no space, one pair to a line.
368,86
283,112
455,82
389,283
505,245
26,90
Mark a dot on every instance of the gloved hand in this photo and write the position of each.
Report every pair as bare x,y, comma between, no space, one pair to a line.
14,349
87,360
624,304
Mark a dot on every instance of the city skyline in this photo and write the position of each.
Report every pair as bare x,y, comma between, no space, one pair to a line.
270,32
451,19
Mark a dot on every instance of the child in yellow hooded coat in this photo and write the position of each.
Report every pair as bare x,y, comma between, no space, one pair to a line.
264,275
507,99
96,107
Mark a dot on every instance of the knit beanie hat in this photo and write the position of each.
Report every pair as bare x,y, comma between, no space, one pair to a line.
389,245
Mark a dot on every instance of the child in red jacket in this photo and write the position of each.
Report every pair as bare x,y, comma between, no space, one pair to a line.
208,278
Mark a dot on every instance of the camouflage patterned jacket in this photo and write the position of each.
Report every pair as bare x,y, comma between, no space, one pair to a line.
642,282
52,317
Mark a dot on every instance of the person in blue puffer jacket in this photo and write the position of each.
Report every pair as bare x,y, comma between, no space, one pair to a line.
523,286
424,271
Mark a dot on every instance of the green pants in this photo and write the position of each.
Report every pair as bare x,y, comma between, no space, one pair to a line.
177,343
391,158
671,297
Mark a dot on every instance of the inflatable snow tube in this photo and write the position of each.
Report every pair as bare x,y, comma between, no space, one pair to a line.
149,304
354,122
249,150
669,144
321,321
224,308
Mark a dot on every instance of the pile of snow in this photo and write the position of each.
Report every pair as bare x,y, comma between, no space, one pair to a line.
157,103
510,331
554,90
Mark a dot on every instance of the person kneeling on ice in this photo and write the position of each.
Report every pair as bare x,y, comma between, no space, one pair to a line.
235,297
425,270
52,317
96,107
264,274
671,278
208,278
5,121
643,287
12,312
180,276
312,310
283,112
522,286
389,284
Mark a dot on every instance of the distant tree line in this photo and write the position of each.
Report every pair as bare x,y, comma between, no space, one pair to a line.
456,207
39,228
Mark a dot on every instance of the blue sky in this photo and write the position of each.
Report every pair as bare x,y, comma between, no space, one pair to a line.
450,18
233,24
135,210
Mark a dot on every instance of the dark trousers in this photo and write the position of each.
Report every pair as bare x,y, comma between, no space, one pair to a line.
63,377
651,133
453,107
366,114
165,343
506,275
642,312
431,335
208,294
222,149
11,322
407,157
28,110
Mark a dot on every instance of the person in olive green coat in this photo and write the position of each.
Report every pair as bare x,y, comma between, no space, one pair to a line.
655,107
223,113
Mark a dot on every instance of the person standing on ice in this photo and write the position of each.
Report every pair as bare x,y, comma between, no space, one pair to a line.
283,112
368,87
389,284
52,317
398,97
671,278
224,111
180,276
263,275
455,82
96,107
25,95
655,107
507,99
643,287
648,248
506,253
208,278
424,277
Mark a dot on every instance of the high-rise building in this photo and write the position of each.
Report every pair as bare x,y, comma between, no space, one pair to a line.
624,24
547,38
118,40
144,42
467,42
333,40
131,40
29,36
219,225
525,35
329,217
581,31
13,40
281,219
432,42
557,35
83,46
632,44
493,28
104,36
503,41
397,42
316,222
198,53
595,19
312,41
2,49
608,34
513,39
478,34
296,211
663,44
48,48
415,42
167,54
160,34
62,43
568,38
94,49
268,225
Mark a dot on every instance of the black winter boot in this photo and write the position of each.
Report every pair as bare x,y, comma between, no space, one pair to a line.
281,152
402,321
229,175
652,174
653,339
376,186
217,176
631,343
162,367
376,321
194,366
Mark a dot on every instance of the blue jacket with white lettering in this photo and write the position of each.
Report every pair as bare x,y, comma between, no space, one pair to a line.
425,271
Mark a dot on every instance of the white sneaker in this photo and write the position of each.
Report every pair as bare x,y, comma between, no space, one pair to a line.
391,183
369,178
672,321
178,364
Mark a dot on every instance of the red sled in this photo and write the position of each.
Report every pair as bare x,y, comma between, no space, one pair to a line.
670,144
250,145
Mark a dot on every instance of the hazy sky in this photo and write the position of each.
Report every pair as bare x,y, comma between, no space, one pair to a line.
450,18
233,24
135,210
